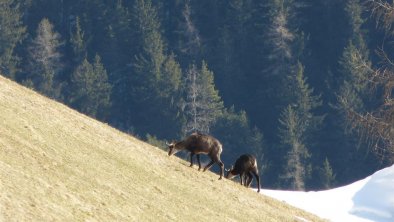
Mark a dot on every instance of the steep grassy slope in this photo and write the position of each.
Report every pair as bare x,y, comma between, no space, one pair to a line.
59,165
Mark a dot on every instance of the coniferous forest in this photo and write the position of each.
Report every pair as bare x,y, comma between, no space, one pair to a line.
304,85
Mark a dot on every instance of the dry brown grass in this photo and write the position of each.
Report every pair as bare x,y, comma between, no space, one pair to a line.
59,165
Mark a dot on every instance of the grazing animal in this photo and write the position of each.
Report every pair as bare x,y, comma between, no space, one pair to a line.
245,166
197,144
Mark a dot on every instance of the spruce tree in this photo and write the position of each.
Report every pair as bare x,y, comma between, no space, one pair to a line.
140,85
307,103
116,43
90,90
327,176
353,94
281,56
12,32
297,156
168,99
155,76
214,103
285,95
102,89
355,64
299,127
170,82
234,52
149,55
77,43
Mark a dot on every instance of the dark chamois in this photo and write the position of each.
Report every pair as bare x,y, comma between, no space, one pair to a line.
245,166
198,144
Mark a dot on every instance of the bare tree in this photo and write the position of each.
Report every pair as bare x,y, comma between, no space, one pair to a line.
376,125
44,58
202,104
191,104
192,44
383,12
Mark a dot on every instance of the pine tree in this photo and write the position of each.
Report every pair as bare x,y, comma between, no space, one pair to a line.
375,126
355,69
203,104
154,82
354,62
281,55
140,87
77,42
90,90
116,42
353,94
102,91
283,39
190,43
169,83
12,32
307,103
327,176
214,104
150,46
168,96
299,127
45,60
235,52
297,169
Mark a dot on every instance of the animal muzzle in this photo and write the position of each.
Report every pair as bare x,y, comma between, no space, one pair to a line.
172,151
229,175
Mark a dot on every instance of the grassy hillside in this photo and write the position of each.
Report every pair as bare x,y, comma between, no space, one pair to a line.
59,165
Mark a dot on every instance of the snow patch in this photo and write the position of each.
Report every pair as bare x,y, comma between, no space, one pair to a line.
367,200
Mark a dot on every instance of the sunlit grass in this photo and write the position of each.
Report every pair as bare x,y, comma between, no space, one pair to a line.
59,165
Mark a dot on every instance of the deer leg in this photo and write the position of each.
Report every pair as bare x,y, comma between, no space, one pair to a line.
241,178
221,164
209,165
198,160
258,180
249,179
191,159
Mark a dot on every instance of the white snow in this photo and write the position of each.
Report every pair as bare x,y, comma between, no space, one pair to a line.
367,200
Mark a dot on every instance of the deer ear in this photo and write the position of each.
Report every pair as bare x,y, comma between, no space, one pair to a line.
170,144
228,170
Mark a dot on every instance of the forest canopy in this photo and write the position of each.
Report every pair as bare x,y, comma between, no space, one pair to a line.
306,86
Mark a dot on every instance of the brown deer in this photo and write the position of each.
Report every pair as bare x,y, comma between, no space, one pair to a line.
198,143
245,166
